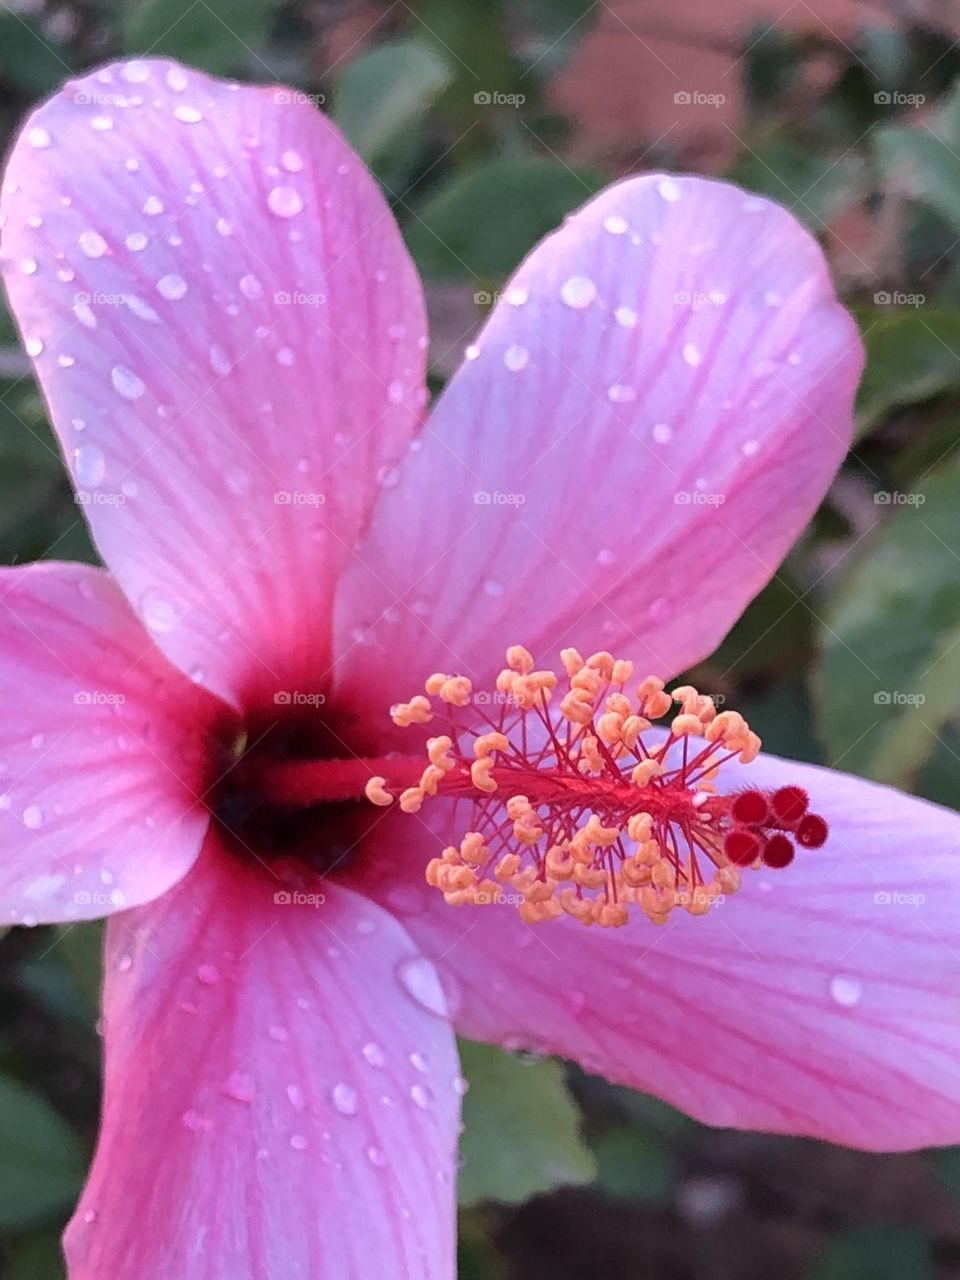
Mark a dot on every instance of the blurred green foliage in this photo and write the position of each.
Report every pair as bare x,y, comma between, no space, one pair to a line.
868,603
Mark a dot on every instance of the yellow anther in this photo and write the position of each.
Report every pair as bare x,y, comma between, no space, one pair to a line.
599,834
411,800
620,703
633,726
433,684
622,671
639,827
376,791
591,758
473,849
456,690
520,659
438,753
612,915
644,772
657,705
727,725
636,874
664,876
727,879
589,877
751,750
574,707
685,724
602,662
480,772
609,726
508,866
487,743
572,662
416,711
687,695
430,778
518,807
587,680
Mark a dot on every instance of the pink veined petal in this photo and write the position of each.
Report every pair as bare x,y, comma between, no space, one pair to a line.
653,411
101,755
277,1105
229,333
818,1000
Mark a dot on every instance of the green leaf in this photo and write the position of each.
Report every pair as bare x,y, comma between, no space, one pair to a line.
217,35
36,1257
911,357
521,1128
812,184
41,1159
386,92
31,61
484,221
890,671
924,160
876,1253
633,1165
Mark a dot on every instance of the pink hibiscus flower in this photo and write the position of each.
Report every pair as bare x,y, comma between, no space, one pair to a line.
230,337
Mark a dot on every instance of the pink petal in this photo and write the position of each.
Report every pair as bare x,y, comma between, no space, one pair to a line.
100,751
675,345
818,1000
276,1103
228,331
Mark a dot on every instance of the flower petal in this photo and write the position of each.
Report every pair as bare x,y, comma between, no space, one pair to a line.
655,408
276,1103
819,1000
100,760
229,333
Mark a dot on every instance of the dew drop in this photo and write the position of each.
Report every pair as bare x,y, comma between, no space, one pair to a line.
662,433
295,1097
749,448
187,114
615,224
176,79
171,287
419,979
292,161
420,1095
626,317
142,310
102,124
461,1086
32,818
620,393
373,1054
845,990
660,609
28,266
38,137
89,1215
285,202
516,357
278,1033
517,296
33,347
219,360
298,1142
208,974
578,292
286,357
669,189
251,287
136,240
92,244
195,1122
344,1099
239,1086
471,352
126,383
89,466
376,1157
691,353
152,206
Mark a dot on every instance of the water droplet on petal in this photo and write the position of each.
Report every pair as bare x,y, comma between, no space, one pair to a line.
344,1099
187,114
89,466
373,1054
171,287
669,189
219,360
376,1157
239,1086
296,1098
126,383
285,202
33,347
420,980
136,240
152,206
620,393
208,974
615,224
845,990
421,1096
176,79
662,433
90,1215
517,295
578,292
32,818
516,357
298,1142
626,317
292,161
92,244
195,1122
28,266
691,353
278,1033
251,287
38,136
660,610
102,124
